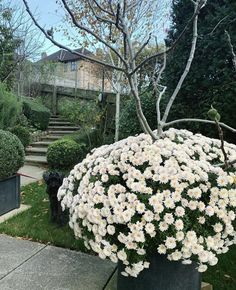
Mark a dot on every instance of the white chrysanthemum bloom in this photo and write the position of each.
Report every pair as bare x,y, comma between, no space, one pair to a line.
170,195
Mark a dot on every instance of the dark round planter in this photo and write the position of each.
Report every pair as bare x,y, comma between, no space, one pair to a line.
162,275
9,194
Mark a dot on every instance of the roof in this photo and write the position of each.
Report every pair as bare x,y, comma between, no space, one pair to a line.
65,56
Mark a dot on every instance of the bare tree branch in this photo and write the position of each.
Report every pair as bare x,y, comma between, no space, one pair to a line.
78,25
173,45
231,48
222,147
142,46
188,65
98,17
199,121
104,10
218,24
65,47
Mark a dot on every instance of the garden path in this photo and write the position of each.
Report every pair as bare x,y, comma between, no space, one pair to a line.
30,174
29,265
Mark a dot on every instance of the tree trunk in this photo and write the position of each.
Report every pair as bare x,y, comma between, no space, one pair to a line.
117,120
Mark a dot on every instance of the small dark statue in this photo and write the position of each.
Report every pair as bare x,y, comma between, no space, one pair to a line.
54,181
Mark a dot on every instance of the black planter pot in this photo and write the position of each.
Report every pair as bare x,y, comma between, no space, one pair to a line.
9,194
162,275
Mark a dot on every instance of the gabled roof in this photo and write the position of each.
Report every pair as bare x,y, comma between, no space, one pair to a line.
65,56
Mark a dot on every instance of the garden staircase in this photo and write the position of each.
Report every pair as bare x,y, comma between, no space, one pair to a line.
58,128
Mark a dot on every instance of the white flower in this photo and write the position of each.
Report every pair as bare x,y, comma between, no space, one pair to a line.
209,211
222,180
218,227
179,236
170,243
168,218
179,211
202,268
163,226
201,220
176,255
111,229
148,216
191,236
161,249
179,225
124,194
140,207
138,236
150,228
122,255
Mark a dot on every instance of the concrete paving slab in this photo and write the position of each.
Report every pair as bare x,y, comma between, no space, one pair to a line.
14,252
56,268
34,171
14,212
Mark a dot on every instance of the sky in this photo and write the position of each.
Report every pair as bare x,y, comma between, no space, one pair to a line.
49,14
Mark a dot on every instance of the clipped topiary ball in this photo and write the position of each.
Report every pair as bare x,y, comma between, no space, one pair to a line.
63,154
12,154
23,134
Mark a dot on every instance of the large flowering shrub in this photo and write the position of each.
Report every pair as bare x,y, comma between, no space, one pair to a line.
137,197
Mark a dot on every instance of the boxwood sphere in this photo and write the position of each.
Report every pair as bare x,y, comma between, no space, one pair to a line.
12,154
23,134
63,154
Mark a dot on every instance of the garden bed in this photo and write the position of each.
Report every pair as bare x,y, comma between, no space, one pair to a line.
34,224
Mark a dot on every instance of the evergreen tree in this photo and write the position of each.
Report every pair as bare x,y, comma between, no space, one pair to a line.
212,78
8,45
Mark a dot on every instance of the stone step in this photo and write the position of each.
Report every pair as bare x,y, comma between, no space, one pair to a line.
58,119
36,160
41,144
60,133
59,123
51,138
63,128
41,151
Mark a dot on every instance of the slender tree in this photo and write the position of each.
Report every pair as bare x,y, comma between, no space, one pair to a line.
116,15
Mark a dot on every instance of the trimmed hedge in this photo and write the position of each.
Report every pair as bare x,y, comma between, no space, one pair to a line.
63,154
12,154
37,114
22,133
10,108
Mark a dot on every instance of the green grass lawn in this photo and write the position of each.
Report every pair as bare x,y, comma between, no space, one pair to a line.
34,224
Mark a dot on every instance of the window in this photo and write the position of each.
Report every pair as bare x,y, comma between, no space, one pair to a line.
65,67
73,66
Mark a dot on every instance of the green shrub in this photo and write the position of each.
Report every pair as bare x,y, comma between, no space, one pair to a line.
10,108
22,133
129,123
84,113
22,120
11,154
87,139
63,154
37,114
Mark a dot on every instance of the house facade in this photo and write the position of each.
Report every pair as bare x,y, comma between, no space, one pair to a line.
70,70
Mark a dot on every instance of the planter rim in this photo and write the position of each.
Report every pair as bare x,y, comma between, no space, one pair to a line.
9,177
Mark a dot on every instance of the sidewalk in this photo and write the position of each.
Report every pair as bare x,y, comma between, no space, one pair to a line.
35,172
26,265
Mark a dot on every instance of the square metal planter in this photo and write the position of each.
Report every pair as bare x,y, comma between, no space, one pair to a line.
9,194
